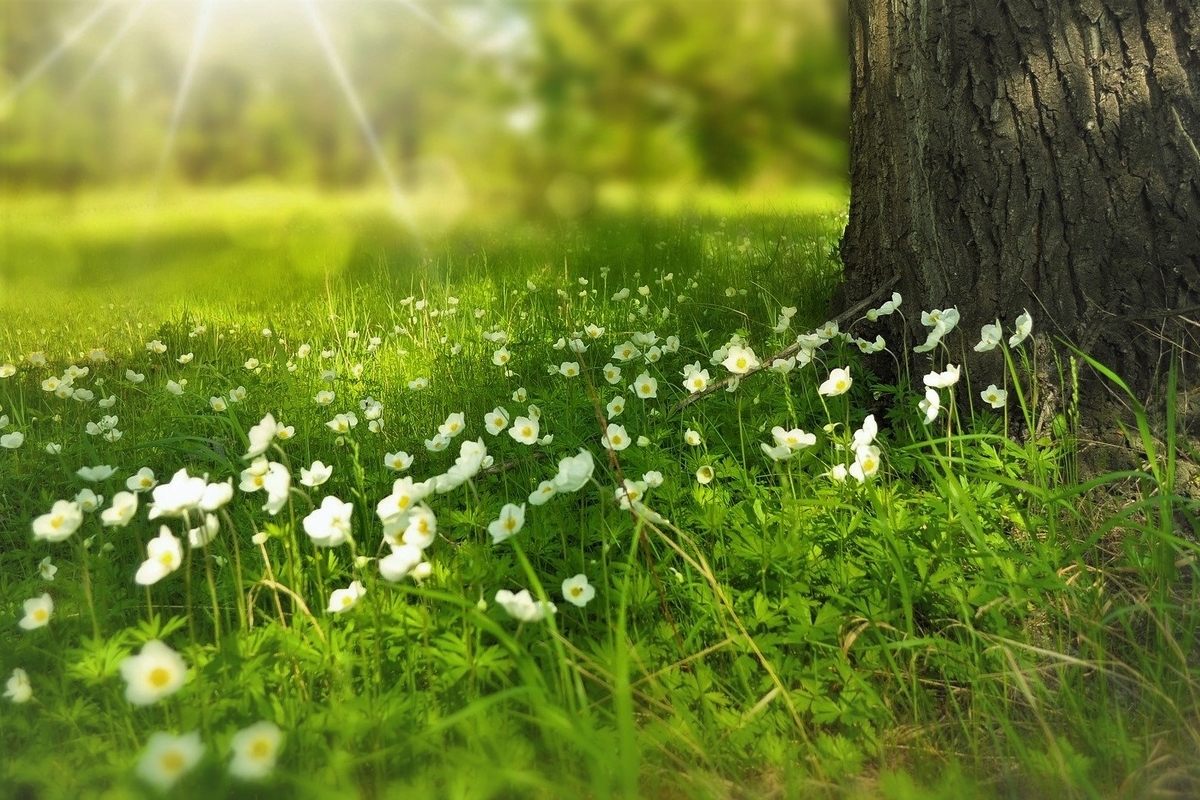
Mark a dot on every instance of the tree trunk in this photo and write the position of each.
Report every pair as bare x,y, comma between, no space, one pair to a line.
1031,154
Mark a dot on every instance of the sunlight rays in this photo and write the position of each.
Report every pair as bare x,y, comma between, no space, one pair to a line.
435,25
202,27
185,86
110,47
399,200
57,52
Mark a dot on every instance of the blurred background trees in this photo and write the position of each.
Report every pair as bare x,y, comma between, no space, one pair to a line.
537,101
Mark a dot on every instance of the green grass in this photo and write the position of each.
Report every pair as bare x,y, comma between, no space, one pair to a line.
969,619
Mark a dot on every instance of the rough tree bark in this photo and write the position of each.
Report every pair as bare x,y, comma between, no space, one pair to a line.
1039,154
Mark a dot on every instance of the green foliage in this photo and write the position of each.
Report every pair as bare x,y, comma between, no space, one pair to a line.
968,619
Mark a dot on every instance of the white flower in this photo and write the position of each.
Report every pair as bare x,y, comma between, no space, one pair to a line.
454,425
783,365
577,591
615,406
795,439
626,351
740,360
837,473
403,559
695,380
398,461
175,387
100,472
217,404
164,554
121,512
510,522
496,420
942,380
542,493
47,569
12,440
705,475
866,463
524,430
779,452
574,472
216,495
438,443
521,606
88,500
616,437
866,434
261,436
931,341
569,369
141,481
421,529
501,357
324,397
630,493
63,519
255,750
167,758
994,396
176,498
342,600
134,377
329,525
839,382
645,386
692,437
19,689
1024,328
315,475
612,374
942,320
930,405
989,337
154,673
342,423
37,612
204,533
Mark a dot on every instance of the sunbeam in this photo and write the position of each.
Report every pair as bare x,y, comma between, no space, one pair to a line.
57,52
368,132
185,86
110,47
420,13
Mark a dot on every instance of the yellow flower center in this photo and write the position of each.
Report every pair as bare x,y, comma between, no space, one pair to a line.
576,591
172,761
159,677
527,431
510,523
40,615
260,749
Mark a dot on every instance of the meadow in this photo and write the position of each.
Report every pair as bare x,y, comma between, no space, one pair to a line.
294,505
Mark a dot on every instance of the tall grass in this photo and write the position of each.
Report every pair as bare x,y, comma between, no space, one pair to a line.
972,617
